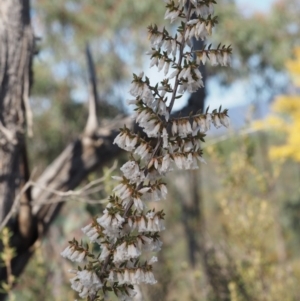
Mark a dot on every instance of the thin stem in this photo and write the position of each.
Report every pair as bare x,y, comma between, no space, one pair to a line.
179,62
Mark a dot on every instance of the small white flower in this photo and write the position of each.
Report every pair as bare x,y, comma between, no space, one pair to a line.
173,74
208,121
152,260
178,160
138,204
104,252
216,121
225,120
142,225
166,70
120,140
165,138
172,15
174,127
149,278
112,276
160,64
133,251
154,61
165,163
213,59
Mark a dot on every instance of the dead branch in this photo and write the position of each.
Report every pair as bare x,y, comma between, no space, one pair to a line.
92,122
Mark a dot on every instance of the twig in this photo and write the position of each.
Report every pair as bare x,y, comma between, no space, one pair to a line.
15,206
8,134
71,193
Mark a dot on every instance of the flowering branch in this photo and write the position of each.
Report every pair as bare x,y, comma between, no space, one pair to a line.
128,228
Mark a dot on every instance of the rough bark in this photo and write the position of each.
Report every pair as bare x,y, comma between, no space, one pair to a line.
16,51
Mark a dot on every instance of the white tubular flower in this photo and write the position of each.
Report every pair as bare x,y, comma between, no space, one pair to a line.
202,57
178,159
86,283
87,228
216,121
74,253
172,15
165,164
105,220
142,225
130,143
165,138
190,162
149,278
120,253
208,121
112,276
154,61
160,64
120,140
166,70
138,204
168,46
173,74
156,40
163,110
200,32
133,251
67,252
225,121
174,127
163,190
187,34
219,58
136,88
213,59
104,252
77,256
126,276
184,72
154,223
131,171
203,125
91,233
226,59
209,28
152,131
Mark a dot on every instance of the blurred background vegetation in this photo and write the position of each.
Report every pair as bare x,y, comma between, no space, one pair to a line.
233,226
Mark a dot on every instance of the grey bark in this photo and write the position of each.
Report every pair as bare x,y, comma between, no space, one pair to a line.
16,51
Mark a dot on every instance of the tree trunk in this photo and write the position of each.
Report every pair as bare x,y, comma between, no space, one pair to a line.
16,50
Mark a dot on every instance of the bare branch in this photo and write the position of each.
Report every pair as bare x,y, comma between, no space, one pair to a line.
7,134
92,122
15,207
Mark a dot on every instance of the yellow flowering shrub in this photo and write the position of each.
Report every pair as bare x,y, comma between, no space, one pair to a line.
287,117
